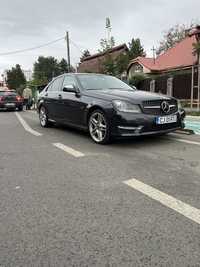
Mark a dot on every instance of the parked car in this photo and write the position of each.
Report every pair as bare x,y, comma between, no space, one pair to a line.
107,107
10,100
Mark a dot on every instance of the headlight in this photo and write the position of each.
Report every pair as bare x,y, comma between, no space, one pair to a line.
124,106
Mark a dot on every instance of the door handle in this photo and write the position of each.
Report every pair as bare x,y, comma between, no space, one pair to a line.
59,96
46,94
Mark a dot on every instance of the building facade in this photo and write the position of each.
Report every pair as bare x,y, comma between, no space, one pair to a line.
95,62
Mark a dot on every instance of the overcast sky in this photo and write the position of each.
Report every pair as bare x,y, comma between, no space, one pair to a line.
25,23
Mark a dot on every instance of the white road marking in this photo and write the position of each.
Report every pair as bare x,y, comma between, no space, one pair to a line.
26,126
69,150
167,200
186,141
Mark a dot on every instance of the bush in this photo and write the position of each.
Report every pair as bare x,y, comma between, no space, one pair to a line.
136,79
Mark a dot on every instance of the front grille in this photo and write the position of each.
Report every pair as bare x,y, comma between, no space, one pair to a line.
153,107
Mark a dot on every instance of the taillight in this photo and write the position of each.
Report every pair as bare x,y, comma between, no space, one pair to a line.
18,98
1,98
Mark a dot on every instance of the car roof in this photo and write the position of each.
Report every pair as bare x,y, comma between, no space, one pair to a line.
77,74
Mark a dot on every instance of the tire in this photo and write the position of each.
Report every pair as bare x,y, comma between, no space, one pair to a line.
43,117
99,127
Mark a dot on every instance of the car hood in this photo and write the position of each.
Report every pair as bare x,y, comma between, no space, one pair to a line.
135,96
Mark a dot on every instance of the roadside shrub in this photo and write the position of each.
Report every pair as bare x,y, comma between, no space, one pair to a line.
136,79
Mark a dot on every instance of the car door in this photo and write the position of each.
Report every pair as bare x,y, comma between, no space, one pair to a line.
53,97
72,104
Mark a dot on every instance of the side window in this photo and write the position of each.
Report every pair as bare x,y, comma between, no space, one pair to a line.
56,85
69,80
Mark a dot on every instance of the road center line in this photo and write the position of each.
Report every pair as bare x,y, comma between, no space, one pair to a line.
185,141
69,150
26,126
167,200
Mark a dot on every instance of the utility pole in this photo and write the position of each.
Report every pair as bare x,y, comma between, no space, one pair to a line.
68,51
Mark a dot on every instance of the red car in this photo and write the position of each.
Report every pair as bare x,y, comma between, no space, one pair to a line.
10,100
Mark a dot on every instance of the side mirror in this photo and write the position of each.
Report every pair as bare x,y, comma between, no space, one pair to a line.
70,88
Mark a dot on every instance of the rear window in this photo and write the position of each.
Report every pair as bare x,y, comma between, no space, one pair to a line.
7,93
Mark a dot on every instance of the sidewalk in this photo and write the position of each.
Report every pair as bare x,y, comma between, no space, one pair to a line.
193,123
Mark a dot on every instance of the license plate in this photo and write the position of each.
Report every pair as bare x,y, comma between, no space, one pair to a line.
166,119
10,105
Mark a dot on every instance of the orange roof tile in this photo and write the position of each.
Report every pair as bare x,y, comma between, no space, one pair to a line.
179,56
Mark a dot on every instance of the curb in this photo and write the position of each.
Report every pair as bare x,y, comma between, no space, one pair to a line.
185,131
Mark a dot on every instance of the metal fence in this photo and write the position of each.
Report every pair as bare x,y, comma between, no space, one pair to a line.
180,85
184,85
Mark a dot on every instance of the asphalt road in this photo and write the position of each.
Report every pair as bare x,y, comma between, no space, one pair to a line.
65,201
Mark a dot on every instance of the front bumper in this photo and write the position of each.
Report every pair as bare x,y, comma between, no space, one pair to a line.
126,124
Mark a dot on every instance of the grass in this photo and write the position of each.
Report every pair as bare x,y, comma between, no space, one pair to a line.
193,113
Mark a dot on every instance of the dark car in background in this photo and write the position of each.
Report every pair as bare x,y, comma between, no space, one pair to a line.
107,107
10,100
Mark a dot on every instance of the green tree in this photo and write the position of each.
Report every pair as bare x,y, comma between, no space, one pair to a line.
107,44
16,79
63,66
137,79
136,49
121,63
109,65
86,53
45,68
173,36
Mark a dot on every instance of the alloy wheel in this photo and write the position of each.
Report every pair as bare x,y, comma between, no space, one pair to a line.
98,127
43,117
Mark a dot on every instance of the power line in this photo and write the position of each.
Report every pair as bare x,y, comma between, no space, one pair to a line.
74,44
32,48
80,48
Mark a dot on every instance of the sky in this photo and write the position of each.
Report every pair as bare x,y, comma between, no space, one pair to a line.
25,24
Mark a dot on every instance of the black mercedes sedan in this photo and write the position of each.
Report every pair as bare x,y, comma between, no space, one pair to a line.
107,107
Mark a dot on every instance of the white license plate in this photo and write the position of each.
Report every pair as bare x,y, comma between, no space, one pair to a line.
166,119
10,104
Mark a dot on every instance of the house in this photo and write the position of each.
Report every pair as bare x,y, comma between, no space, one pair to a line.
94,63
174,72
176,58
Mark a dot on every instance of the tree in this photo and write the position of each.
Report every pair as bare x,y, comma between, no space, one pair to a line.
107,44
173,36
136,49
63,66
16,79
109,65
45,68
86,53
122,62
137,79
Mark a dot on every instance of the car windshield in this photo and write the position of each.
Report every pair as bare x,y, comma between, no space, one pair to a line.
101,82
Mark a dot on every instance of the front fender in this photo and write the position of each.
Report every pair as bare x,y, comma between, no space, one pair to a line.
105,106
